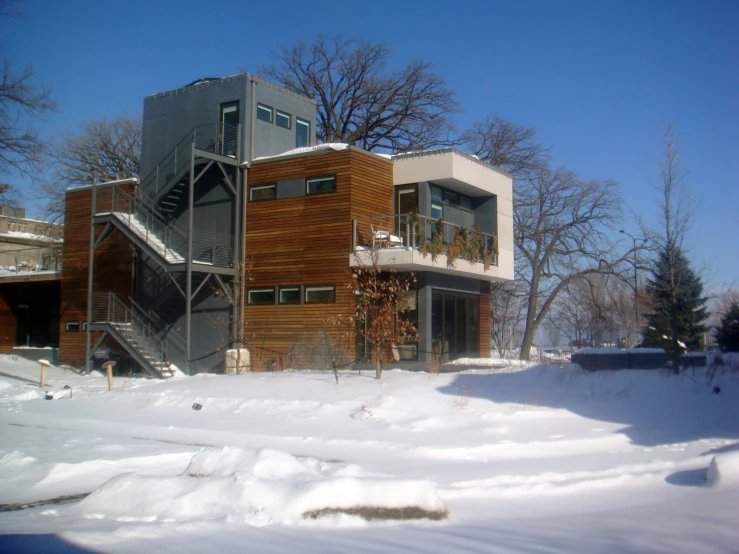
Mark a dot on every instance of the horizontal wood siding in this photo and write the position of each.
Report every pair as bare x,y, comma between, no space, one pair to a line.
113,272
484,316
307,240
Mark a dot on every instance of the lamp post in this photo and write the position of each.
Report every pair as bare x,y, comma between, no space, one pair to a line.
636,283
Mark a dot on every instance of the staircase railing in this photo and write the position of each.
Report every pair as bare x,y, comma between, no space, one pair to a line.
144,219
135,322
219,138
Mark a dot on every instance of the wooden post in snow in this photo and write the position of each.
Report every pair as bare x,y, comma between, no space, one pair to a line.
44,364
109,372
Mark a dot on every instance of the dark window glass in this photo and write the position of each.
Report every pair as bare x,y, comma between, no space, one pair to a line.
323,294
436,194
261,296
436,211
262,192
72,326
264,113
319,185
302,133
450,198
282,119
465,203
289,295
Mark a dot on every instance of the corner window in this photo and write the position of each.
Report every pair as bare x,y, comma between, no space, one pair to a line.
450,198
264,113
262,192
282,119
465,203
437,211
289,295
322,294
302,133
320,185
262,296
72,326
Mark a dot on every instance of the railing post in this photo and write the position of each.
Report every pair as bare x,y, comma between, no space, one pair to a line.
175,159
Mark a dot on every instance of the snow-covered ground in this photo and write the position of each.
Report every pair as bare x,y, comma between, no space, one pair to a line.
538,458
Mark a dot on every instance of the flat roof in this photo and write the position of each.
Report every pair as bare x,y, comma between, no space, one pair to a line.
210,81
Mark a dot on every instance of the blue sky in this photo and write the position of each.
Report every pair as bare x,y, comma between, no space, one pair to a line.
596,79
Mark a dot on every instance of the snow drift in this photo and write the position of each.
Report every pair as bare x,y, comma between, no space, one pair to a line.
723,470
263,487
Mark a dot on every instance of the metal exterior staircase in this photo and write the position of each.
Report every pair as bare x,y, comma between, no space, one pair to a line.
158,234
136,333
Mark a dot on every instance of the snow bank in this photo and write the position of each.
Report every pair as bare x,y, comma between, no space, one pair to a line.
723,470
263,487
337,146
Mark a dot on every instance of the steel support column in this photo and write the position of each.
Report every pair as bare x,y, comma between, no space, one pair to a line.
91,260
188,261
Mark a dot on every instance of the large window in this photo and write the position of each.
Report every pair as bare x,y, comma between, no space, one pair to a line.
264,113
302,133
320,294
454,324
261,296
442,197
262,192
282,119
320,185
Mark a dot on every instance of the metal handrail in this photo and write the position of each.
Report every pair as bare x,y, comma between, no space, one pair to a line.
213,137
413,230
108,308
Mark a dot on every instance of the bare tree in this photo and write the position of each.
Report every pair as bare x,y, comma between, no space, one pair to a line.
359,101
506,313
561,226
505,144
21,102
104,150
380,305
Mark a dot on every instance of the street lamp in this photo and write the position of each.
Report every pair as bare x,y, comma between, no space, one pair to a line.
636,283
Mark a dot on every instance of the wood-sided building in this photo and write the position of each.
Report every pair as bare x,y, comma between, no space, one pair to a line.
234,191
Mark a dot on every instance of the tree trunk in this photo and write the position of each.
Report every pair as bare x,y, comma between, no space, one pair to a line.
378,364
530,331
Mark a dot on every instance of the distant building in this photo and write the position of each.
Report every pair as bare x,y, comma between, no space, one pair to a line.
30,277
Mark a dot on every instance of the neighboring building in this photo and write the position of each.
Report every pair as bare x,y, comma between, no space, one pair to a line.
30,273
233,183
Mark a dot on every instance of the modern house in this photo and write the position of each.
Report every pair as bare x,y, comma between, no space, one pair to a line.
233,189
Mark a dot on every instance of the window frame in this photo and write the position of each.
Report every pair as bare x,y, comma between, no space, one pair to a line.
271,112
321,178
72,326
250,290
305,124
265,186
308,288
290,287
289,117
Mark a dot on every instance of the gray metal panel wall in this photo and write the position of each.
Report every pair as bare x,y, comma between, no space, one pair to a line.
170,117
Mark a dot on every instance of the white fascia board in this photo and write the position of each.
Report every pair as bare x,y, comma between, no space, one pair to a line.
452,170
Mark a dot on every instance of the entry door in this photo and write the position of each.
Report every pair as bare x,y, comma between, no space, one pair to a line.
227,128
406,202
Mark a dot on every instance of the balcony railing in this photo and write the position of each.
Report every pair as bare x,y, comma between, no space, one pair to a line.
35,259
430,237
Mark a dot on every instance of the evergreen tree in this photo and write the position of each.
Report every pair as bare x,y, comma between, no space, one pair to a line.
678,305
727,334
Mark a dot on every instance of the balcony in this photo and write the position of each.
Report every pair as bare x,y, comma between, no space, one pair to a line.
411,242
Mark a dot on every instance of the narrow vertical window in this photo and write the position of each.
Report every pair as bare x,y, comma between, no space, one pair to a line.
302,133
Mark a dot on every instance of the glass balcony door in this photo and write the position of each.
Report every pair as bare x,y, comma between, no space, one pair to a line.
406,202
227,129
